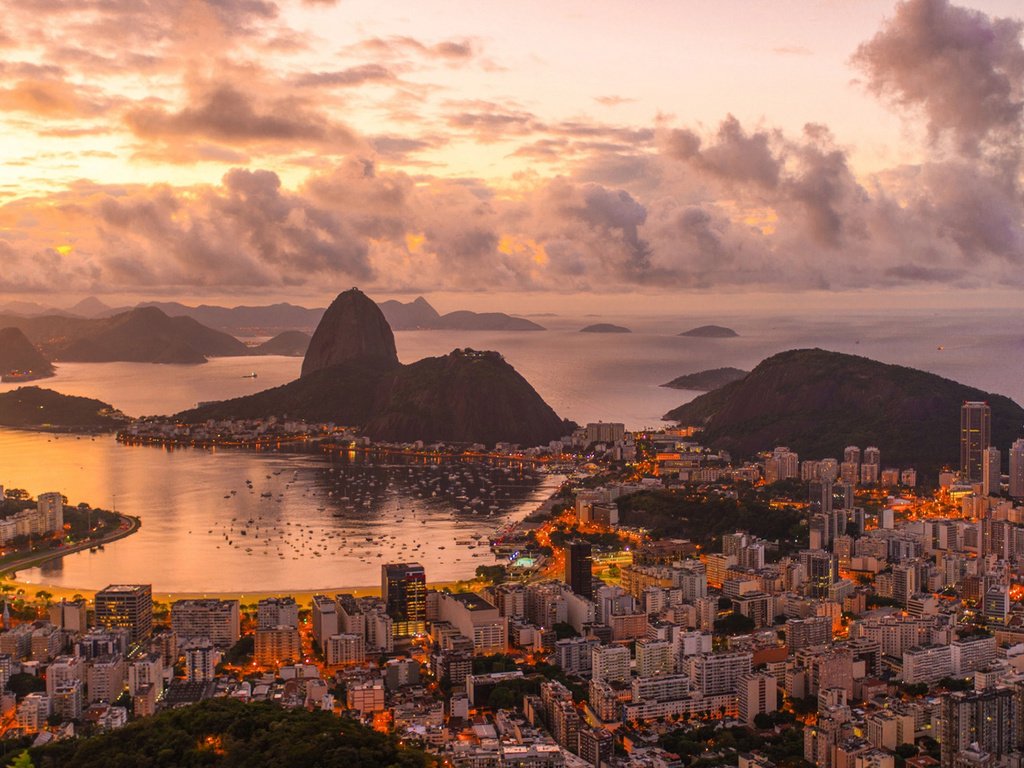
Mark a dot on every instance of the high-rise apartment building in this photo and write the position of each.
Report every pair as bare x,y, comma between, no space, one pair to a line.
991,471
578,568
404,592
1017,469
986,718
975,437
129,606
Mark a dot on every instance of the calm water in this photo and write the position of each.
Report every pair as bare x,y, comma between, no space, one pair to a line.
310,539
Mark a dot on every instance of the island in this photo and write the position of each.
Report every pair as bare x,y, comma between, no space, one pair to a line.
287,343
710,332
705,381
605,328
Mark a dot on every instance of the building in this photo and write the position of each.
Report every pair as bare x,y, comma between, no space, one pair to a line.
605,432
404,592
803,633
201,660
33,711
610,663
146,670
654,658
821,569
579,568
69,615
326,622
476,619
129,606
67,700
105,678
344,650
975,437
716,673
214,620
987,718
277,645
62,671
274,612
756,694
1017,469
927,663
575,654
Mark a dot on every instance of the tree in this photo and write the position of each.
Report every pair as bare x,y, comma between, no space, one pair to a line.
23,684
734,624
563,630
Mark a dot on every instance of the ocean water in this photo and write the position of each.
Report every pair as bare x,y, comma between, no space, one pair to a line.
180,495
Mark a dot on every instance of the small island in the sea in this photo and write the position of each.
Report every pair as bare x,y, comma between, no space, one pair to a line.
710,332
605,328
705,381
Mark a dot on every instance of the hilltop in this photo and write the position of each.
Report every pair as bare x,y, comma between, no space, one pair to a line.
351,376
288,343
817,402
19,356
31,407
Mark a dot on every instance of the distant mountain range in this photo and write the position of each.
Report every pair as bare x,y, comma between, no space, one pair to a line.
817,402
276,318
351,376
143,335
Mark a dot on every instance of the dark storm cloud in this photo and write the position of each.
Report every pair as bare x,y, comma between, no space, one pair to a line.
964,69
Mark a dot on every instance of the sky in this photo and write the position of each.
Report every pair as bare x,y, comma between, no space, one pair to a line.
264,150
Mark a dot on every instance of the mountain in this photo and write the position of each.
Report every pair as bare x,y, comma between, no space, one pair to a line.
36,407
288,343
352,329
464,320
464,397
705,381
351,376
144,335
817,402
710,332
93,307
243,320
418,315
413,316
605,328
147,335
18,356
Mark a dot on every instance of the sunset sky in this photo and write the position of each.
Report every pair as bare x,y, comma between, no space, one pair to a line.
253,150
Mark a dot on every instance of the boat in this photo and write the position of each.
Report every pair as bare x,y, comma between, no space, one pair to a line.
252,375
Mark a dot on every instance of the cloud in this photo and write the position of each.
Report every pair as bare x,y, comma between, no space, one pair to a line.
454,50
963,69
223,112
366,73
52,98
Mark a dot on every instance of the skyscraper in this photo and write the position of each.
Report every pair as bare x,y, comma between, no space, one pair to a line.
1017,469
126,605
578,568
975,437
404,592
991,471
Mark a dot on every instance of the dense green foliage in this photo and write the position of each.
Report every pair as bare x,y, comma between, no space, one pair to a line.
37,407
710,745
223,734
703,518
818,402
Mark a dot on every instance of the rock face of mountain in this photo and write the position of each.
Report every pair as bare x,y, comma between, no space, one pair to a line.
352,329
288,343
144,335
605,328
710,332
35,407
351,376
817,402
19,358
705,381
418,315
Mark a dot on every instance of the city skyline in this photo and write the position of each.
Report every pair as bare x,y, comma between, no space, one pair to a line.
286,150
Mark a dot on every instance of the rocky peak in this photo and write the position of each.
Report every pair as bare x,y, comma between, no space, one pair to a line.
352,329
